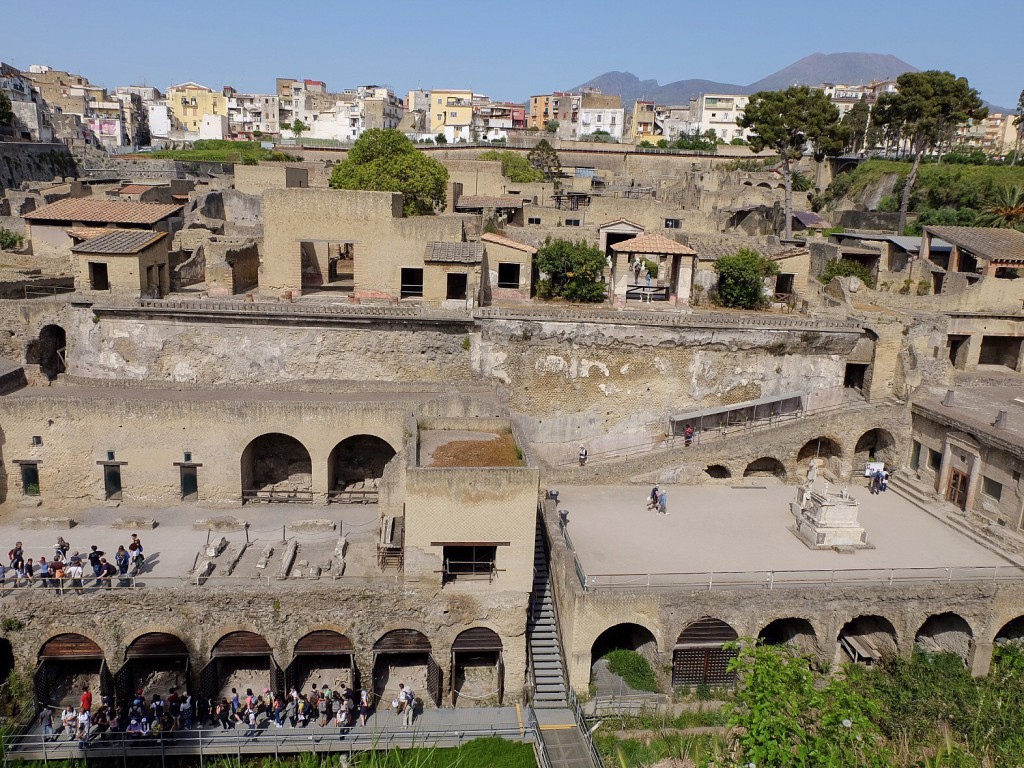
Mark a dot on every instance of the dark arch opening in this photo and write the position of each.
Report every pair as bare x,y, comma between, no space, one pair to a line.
276,467
868,639
155,662
405,656
6,659
323,657
240,660
876,445
945,633
1012,631
699,657
357,463
68,663
797,633
820,448
766,466
478,668
48,351
628,637
717,472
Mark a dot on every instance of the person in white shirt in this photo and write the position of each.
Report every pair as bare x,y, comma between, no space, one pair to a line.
75,572
69,719
84,724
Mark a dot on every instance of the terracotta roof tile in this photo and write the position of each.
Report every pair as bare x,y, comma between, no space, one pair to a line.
135,189
989,243
463,253
499,240
120,241
91,210
653,243
87,233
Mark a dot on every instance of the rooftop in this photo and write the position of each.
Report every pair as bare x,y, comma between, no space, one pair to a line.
489,201
653,243
462,448
744,527
90,210
712,249
120,241
461,253
135,189
989,243
811,219
487,237
975,408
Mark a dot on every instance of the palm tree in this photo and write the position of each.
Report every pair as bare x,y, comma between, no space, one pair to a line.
1004,209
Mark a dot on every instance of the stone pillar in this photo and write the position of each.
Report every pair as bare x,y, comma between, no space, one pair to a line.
973,352
972,483
620,279
981,658
947,460
320,477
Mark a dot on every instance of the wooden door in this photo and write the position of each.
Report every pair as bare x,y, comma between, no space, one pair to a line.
956,492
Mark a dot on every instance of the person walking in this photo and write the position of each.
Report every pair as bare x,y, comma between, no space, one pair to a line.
95,555
583,456
663,502
408,713
46,724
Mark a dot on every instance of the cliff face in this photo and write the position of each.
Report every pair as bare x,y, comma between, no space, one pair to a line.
33,162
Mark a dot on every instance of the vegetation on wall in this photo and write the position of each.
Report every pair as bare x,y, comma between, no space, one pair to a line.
222,151
514,166
384,160
6,111
10,241
846,268
633,668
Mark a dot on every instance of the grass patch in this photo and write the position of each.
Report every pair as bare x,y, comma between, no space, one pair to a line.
493,752
702,750
216,151
633,668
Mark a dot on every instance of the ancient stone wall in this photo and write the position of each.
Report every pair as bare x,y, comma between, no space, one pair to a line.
34,162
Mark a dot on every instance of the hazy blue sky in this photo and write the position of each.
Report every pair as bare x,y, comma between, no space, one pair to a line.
508,50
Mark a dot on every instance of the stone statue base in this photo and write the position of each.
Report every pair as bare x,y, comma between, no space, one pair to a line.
827,520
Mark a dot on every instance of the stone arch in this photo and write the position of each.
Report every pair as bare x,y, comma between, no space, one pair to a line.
154,662
1011,631
134,635
718,472
325,657
477,667
405,655
240,659
766,466
276,463
876,444
764,185
357,462
625,636
945,633
821,447
48,351
794,631
867,639
699,657
68,662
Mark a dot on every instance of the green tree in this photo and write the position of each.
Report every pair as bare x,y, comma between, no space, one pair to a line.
854,125
440,139
384,160
741,279
544,158
6,112
298,128
1018,123
571,270
1004,209
514,166
551,126
788,121
923,111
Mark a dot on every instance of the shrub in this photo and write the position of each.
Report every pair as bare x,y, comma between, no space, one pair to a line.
9,240
573,271
514,166
633,668
741,279
847,268
652,268
923,288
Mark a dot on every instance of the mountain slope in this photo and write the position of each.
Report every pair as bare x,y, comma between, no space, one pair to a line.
811,70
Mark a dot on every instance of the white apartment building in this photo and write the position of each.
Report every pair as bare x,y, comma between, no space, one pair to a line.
345,116
252,113
718,112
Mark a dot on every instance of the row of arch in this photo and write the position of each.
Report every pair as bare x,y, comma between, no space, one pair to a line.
276,462
699,656
875,444
246,659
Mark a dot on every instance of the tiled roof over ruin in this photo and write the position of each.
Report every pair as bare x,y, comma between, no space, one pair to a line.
489,201
987,243
499,240
88,233
462,253
120,242
712,249
90,210
135,189
653,243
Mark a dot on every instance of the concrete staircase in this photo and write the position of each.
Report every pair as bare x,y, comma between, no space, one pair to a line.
549,683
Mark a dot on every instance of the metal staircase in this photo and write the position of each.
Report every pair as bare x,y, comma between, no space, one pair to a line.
549,683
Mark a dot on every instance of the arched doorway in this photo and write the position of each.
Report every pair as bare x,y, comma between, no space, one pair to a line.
323,657
945,633
824,448
794,632
875,445
154,663
240,660
48,351
717,472
478,669
766,466
629,637
868,639
276,467
699,657
405,656
69,663
1011,632
354,467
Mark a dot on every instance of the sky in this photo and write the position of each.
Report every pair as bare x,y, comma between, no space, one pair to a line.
507,50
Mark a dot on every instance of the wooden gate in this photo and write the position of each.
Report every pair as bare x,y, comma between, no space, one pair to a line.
434,681
699,657
956,492
321,643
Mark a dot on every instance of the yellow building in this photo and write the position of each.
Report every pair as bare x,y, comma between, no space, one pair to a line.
540,111
190,102
645,122
451,113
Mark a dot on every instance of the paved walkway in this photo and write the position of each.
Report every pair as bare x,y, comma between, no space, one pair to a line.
744,527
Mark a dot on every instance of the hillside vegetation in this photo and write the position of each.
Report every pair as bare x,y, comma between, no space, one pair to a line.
214,151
